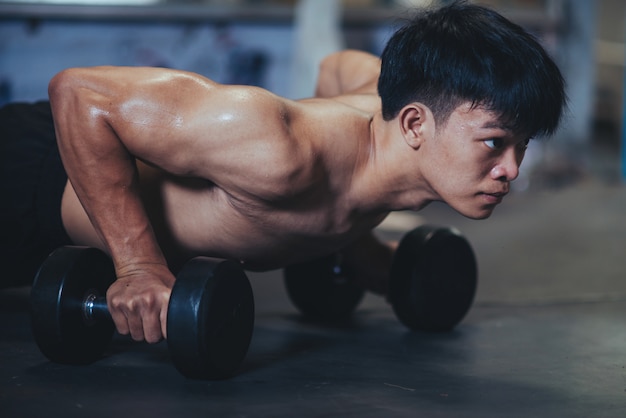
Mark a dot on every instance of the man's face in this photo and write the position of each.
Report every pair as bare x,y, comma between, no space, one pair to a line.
471,161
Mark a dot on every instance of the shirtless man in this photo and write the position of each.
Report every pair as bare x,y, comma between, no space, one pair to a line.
165,165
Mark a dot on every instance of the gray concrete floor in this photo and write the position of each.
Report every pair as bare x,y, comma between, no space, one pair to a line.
545,338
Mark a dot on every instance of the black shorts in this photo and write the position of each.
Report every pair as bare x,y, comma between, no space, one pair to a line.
32,180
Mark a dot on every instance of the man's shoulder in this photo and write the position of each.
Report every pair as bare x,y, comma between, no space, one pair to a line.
366,102
346,104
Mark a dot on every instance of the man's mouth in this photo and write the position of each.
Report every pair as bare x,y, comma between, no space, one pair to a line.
494,198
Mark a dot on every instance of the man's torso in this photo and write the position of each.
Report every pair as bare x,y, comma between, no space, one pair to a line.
311,216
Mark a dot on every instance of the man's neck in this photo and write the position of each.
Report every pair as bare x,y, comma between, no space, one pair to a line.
389,178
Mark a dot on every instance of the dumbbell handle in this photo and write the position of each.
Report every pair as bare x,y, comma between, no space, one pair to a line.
95,308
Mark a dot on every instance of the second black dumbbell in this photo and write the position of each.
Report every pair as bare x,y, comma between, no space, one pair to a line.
432,284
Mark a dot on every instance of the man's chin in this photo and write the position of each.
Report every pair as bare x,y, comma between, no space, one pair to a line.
477,215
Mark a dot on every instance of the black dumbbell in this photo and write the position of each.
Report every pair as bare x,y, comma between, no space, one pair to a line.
433,279
323,289
432,282
209,322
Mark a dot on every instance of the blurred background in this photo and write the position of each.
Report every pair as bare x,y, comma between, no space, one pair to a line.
277,44
546,335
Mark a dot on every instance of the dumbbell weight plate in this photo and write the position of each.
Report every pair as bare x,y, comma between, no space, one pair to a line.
61,285
210,318
322,289
433,279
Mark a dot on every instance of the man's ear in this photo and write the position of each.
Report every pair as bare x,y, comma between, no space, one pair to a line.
417,124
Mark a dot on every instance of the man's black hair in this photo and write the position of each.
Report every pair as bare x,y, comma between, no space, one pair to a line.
467,53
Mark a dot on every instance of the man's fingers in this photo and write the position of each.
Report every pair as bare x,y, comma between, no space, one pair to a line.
143,324
164,322
152,329
120,321
135,324
138,307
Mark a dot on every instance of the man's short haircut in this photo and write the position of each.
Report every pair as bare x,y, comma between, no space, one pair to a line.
466,53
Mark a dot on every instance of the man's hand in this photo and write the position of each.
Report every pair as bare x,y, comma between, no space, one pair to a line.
138,301
370,260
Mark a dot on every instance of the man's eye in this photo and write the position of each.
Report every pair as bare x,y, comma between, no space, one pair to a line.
495,143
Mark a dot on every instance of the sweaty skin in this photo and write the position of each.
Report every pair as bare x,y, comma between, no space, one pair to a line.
165,165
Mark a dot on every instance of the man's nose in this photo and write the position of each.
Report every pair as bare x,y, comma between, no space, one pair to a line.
507,168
